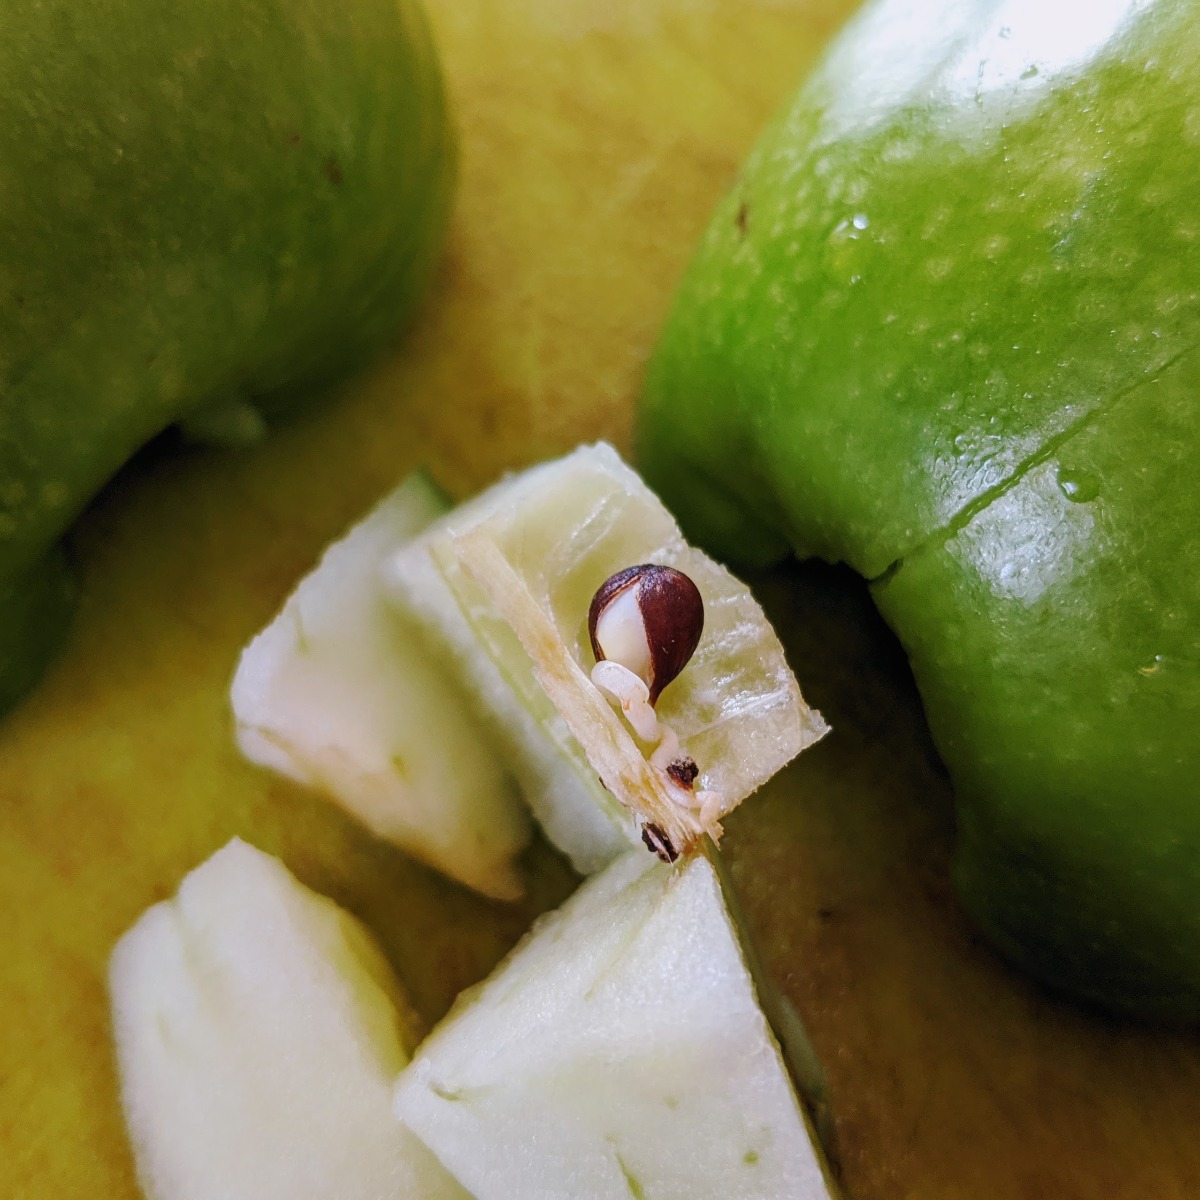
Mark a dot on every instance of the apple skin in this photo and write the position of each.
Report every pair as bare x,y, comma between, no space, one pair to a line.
218,203
940,330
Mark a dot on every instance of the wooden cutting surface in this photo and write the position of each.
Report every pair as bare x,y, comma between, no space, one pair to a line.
596,138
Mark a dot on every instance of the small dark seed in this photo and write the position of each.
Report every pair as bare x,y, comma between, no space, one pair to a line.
658,842
683,771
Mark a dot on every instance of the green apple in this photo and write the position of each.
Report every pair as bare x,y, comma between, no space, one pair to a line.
942,330
259,1030
619,1052
205,211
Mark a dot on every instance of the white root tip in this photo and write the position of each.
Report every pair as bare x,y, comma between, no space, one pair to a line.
668,749
630,693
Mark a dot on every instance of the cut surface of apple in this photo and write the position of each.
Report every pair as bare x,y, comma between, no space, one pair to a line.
504,583
618,1052
340,693
259,1032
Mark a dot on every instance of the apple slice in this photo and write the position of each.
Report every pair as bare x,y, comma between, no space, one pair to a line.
504,584
259,1032
618,1052
340,693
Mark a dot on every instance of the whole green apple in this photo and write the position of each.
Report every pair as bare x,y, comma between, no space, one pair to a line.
206,210
944,329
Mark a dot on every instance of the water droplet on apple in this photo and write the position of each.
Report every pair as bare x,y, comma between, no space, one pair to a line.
1078,486
847,249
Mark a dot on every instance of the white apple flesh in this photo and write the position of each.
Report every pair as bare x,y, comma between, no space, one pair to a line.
619,1052
258,1037
340,693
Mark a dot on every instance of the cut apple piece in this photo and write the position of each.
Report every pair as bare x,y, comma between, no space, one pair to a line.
618,1052
340,693
258,1039
505,581
570,803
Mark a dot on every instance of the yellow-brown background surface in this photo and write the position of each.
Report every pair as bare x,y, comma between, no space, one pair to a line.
596,137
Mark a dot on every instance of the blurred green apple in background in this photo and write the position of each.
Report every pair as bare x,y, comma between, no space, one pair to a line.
944,329
206,210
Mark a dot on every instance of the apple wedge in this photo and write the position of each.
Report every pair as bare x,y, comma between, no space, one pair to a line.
259,1032
503,585
620,1052
340,693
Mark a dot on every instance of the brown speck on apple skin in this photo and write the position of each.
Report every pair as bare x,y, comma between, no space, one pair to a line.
743,218
333,170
